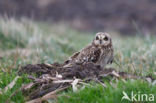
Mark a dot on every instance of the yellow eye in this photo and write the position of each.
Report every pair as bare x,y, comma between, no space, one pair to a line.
105,38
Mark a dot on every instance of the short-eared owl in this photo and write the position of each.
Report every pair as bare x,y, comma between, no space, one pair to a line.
100,52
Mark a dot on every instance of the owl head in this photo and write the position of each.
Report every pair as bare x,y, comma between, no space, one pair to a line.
102,39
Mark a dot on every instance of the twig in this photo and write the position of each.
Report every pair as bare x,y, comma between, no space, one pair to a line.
103,84
115,74
47,96
63,81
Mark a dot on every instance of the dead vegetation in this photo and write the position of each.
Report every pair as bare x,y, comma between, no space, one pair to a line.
53,78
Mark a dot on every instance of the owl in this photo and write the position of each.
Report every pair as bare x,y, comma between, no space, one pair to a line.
99,52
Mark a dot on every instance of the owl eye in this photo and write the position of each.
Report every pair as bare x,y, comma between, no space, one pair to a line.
97,38
105,38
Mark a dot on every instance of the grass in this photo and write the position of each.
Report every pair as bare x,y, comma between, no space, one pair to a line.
98,94
23,42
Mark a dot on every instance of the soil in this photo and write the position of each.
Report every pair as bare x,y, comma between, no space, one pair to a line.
79,71
54,77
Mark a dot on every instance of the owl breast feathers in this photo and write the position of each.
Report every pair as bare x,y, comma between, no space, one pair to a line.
99,52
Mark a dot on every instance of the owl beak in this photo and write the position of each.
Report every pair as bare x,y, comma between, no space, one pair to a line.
100,41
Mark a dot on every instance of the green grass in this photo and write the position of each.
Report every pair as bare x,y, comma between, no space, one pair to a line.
23,42
99,94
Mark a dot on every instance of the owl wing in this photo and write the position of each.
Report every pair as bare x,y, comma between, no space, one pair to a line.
96,55
72,57
75,55
89,54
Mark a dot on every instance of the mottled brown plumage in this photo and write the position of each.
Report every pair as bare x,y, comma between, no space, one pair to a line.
100,52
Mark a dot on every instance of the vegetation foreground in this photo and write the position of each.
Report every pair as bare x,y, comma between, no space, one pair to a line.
25,42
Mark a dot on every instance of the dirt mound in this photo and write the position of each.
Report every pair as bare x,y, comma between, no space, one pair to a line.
79,71
52,78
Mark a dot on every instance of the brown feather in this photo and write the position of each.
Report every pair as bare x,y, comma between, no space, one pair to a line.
96,53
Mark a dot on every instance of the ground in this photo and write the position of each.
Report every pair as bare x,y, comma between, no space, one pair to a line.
26,42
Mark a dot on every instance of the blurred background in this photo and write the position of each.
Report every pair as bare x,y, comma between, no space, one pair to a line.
48,31
128,17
